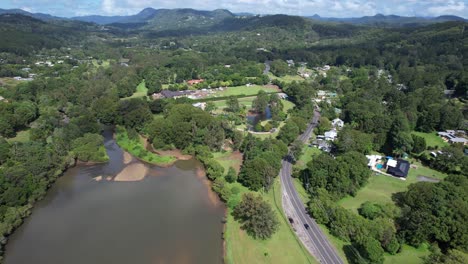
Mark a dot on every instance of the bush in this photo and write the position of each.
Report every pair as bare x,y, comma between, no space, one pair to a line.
231,175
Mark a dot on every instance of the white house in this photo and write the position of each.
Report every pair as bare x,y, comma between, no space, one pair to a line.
201,105
337,123
331,135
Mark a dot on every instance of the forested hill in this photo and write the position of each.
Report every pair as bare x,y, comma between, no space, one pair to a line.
390,20
164,19
26,34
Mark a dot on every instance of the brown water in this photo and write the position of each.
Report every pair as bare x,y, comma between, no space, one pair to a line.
168,217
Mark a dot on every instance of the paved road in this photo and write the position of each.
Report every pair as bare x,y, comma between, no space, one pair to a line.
323,250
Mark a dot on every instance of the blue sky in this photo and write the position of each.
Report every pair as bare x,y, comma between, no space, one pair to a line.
325,8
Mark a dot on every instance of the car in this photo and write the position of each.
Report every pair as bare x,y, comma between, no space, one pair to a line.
291,220
306,226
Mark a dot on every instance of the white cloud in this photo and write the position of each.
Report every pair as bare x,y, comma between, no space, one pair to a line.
451,7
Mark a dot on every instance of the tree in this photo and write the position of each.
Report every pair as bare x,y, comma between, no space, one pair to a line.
354,140
4,150
233,104
419,144
370,210
371,250
296,149
210,107
256,216
436,212
288,132
90,147
261,102
231,176
324,125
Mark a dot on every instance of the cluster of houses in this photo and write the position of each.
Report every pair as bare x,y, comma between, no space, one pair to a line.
454,136
326,96
389,166
323,142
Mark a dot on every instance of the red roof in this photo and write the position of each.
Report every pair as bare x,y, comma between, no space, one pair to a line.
192,82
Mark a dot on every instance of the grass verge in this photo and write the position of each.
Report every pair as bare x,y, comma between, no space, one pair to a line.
282,247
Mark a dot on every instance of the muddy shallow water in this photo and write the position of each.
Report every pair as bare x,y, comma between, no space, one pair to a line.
155,215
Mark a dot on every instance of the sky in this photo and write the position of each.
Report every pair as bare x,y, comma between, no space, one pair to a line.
324,8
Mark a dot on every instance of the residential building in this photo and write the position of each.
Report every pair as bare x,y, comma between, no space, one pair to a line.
398,168
337,123
331,135
195,81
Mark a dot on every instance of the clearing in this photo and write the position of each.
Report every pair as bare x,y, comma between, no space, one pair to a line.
21,136
432,139
380,188
245,90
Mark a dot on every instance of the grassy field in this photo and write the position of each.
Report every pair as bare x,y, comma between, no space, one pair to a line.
380,188
8,82
307,155
283,247
137,149
226,160
140,92
247,101
408,255
287,78
21,136
432,139
105,63
239,90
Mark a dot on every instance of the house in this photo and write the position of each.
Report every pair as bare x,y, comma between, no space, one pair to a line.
322,145
282,95
454,136
337,123
373,160
2,98
201,105
171,94
398,168
195,81
290,63
227,66
331,135
326,67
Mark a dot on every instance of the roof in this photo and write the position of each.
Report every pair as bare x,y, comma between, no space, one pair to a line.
392,163
458,140
401,169
171,94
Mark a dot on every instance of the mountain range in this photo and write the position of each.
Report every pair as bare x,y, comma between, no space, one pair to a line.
173,19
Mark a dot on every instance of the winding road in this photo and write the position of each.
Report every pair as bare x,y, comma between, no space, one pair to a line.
314,239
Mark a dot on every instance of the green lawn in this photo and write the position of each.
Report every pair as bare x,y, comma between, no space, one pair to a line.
380,188
307,155
243,90
408,255
286,78
287,105
105,63
247,101
137,149
141,90
432,139
283,247
21,136
226,161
